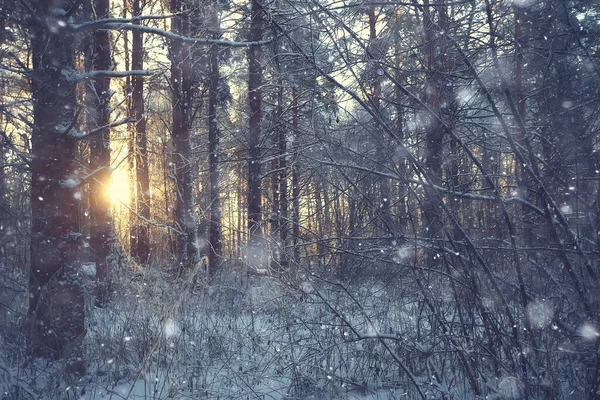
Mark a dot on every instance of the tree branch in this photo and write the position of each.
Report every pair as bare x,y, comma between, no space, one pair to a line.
119,24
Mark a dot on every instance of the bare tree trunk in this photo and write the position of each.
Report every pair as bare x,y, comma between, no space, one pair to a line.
296,177
256,252
181,83
98,101
402,220
283,197
434,136
385,225
214,230
274,220
4,204
56,302
523,181
278,174
141,250
133,221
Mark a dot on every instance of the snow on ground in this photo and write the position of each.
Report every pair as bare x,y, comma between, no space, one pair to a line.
244,336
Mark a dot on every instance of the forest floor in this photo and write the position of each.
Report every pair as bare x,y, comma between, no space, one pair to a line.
240,337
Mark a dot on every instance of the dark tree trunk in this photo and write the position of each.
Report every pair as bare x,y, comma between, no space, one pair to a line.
523,181
256,252
278,174
434,135
274,220
283,197
402,220
4,204
98,102
56,303
130,139
296,177
141,247
181,83
385,222
214,230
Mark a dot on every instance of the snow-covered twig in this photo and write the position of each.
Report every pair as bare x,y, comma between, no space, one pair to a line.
112,74
117,25
75,134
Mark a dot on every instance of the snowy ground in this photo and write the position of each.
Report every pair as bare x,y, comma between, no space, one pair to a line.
252,336
246,337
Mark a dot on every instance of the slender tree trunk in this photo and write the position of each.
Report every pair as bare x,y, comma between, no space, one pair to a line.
283,197
385,222
141,250
523,181
274,220
56,302
402,220
256,256
240,222
277,165
98,101
133,220
318,218
4,204
181,83
214,230
296,177
434,136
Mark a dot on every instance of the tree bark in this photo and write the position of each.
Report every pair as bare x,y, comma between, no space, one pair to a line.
523,181
56,302
385,224
256,256
98,102
434,135
181,83
4,204
278,173
141,249
283,197
296,177
214,230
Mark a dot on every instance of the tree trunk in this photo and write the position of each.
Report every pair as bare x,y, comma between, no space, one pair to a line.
523,181
132,226
98,102
283,198
181,83
256,256
56,302
296,177
385,225
402,219
141,250
434,136
4,204
214,230
277,170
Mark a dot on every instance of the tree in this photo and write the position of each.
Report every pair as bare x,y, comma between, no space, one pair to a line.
434,136
56,303
214,233
140,240
254,136
182,96
98,103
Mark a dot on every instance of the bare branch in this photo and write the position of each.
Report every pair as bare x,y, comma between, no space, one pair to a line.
112,74
75,134
118,24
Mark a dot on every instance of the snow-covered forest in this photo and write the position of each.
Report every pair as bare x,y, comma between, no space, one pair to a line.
299,199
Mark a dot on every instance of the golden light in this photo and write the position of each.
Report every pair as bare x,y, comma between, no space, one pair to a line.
119,187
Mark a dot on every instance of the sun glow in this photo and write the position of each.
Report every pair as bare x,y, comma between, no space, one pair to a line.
119,187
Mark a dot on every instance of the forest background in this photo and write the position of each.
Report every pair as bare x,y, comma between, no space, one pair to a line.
286,199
